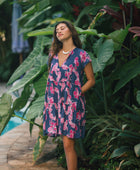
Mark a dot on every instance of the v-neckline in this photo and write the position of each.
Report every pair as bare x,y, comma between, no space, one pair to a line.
65,59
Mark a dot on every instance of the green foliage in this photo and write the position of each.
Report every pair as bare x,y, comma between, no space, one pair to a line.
36,108
127,72
23,99
49,31
8,106
40,84
1,1
129,1
32,74
127,142
31,62
39,145
5,110
103,51
119,152
118,37
112,126
44,31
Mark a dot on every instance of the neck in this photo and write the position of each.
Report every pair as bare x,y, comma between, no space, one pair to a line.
68,45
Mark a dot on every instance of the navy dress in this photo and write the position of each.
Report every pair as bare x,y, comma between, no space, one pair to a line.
64,106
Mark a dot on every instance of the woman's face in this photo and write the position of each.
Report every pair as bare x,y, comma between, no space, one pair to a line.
62,32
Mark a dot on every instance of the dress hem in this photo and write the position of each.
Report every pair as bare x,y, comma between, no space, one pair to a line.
57,135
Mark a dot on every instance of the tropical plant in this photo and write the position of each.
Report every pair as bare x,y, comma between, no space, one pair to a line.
126,141
113,72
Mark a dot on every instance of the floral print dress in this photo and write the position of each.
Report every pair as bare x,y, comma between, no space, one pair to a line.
64,106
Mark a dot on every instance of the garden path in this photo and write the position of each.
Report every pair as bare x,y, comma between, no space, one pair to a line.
16,149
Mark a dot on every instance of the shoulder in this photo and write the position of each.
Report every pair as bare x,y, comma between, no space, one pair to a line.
81,52
83,56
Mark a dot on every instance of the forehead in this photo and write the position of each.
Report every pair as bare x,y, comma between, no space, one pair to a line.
60,25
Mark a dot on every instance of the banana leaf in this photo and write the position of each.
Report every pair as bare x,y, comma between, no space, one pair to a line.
127,72
32,73
30,61
118,37
40,84
36,109
103,51
21,101
5,110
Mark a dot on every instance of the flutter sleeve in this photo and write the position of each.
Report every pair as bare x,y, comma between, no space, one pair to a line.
85,58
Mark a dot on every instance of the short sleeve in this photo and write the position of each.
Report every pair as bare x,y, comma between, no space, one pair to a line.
85,58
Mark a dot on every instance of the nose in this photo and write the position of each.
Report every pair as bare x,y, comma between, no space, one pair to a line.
59,31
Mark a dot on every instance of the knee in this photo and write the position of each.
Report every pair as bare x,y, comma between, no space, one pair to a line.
68,144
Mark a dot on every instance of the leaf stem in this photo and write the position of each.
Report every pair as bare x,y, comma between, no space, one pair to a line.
27,120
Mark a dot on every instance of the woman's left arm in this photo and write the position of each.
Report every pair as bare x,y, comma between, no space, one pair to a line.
90,78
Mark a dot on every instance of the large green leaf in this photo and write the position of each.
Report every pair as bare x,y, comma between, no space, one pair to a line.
29,11
36,109
137,150
44,31
119,152
87,31
34,19
31,75
86,11
33,14
40,84
127,72
5,110
50,30
93,9
39,145
20,102
30,60
90,32
103,51
5,104
118,37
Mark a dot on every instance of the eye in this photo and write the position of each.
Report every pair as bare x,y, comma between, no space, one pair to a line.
62,28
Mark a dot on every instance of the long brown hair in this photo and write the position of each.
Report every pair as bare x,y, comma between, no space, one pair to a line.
57,45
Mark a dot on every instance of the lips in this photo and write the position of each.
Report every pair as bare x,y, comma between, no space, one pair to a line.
59,35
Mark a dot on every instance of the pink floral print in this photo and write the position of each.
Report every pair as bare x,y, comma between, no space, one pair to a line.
64,106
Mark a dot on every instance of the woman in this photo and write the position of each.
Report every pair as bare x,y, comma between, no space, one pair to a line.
64,107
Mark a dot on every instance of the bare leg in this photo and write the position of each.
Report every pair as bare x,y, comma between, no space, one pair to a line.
71,156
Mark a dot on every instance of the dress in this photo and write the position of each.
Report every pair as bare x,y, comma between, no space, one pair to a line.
64,106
